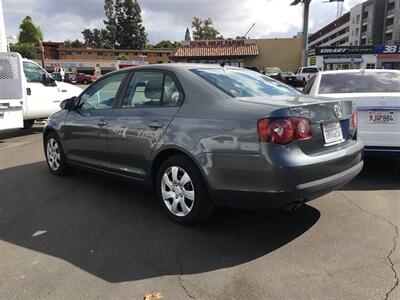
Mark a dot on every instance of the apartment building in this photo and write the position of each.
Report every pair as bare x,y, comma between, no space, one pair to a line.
392,23
335,33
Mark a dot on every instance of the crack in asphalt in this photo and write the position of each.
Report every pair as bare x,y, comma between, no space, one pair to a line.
180,264
394,239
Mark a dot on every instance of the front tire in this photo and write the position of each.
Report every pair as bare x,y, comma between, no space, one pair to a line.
28,124
182,191
55,157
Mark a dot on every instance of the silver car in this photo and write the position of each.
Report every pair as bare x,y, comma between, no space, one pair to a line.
204,135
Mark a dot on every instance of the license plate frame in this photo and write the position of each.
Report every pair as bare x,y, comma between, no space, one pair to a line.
332,133
391,117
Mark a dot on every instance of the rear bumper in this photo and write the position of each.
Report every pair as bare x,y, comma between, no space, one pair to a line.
279,176
303,192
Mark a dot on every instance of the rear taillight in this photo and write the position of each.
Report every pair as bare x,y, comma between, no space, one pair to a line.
284,130
355,120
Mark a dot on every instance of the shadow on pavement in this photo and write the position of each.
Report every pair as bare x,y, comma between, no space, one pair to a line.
119,232
379,173
12,133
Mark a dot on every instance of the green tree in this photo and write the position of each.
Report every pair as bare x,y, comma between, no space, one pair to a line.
29,32
167,44
110,22
204,30
130,30
73,44
96,38
187,35
29,39
27,50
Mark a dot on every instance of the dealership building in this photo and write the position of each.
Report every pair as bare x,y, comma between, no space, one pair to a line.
355,57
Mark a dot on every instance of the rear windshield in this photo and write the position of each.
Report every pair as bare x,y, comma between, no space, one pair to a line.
243,83
363,82
310,70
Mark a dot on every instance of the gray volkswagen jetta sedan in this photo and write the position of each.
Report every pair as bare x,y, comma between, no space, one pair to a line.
203,135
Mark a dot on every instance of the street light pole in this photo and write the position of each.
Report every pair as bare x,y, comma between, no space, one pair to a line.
304,52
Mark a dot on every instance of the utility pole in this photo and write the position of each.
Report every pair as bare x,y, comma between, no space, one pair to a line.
306,13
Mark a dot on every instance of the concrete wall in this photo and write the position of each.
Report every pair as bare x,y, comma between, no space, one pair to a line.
282,53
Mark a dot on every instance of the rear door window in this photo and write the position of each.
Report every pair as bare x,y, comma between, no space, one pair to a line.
149,89
310,70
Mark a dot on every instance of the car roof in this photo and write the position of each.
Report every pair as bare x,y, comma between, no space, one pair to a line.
182,66
359,71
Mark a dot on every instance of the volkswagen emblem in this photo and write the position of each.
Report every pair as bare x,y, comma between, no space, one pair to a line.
337,111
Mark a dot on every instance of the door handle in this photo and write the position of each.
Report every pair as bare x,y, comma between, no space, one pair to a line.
101,123
155,125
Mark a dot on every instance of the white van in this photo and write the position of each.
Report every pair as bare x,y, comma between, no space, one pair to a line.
28,92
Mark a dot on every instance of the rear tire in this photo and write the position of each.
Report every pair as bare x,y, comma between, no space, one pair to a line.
85,82
28,124
182,191
55,157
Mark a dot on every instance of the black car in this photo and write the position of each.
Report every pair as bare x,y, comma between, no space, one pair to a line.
288,78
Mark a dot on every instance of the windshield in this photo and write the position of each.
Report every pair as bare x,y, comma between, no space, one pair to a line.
242,83
363,82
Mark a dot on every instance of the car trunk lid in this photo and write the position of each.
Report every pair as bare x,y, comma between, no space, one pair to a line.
379,117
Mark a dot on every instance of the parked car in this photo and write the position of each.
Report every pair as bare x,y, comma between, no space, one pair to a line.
203,135
304,74
83,78
70,77
377,97
272,72
56,76
288,78
253,68
28,92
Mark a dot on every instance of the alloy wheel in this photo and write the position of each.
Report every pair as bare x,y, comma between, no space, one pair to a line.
177,191
53,154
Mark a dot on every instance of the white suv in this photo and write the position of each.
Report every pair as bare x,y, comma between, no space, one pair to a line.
304,74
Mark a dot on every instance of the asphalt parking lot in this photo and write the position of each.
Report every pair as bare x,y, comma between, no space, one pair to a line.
90,236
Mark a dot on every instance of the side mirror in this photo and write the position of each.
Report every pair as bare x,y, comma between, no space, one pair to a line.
68,104
48,80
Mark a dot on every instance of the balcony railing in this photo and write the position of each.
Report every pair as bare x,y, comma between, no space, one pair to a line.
390,13
389,28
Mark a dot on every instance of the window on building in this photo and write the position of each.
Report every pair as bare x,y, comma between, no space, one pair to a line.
99,53
370,66
79,52
358,19
144,53
89,53
68,52
159,54
135,53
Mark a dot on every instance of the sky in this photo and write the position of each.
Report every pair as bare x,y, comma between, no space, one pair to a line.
168,19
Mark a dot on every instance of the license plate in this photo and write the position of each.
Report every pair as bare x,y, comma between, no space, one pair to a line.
381,117
332,133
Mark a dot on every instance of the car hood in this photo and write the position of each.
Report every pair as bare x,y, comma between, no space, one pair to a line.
68,90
